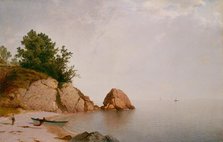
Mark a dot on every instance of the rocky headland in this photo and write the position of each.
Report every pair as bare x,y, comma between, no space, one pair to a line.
31,90
38,92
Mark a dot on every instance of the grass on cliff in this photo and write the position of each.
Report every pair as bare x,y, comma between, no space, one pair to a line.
17,77
12,78
8,111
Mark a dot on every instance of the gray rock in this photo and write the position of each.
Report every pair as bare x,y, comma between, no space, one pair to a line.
93,137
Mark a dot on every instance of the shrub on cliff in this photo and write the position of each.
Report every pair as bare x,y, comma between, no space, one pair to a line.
4,55
13,77
39,53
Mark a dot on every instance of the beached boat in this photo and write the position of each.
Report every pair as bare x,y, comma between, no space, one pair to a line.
38,121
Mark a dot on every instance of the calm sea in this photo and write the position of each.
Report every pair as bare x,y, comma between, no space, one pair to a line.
157,121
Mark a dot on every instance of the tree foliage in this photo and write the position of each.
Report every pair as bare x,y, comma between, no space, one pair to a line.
39,53
14,61
4,55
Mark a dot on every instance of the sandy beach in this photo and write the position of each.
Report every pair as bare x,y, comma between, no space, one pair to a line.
24,131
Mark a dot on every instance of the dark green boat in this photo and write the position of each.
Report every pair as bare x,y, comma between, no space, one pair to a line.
38,121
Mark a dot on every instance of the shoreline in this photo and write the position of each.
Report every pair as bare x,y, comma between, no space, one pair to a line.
24,131
60,132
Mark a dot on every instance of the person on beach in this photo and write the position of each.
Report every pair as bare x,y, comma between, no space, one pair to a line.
13,119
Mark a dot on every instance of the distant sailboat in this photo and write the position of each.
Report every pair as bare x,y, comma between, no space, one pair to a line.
176,100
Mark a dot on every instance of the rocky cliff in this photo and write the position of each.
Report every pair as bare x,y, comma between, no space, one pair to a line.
33,91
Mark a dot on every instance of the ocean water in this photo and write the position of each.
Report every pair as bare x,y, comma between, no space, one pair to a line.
157,121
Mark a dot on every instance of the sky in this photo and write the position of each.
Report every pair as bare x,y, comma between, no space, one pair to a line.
147,48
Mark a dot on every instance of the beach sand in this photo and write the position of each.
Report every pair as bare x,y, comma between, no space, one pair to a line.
24,131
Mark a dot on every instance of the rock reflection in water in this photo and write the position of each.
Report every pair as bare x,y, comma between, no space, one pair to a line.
117,119
102,121
157,121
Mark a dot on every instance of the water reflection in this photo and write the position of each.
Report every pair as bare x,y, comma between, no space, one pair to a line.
99,121
157,121
117,119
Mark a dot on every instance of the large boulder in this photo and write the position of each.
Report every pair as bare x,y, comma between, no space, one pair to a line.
93,137
73,100
45,95
117,99
41,95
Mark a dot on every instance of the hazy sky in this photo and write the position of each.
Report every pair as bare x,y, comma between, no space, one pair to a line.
147,48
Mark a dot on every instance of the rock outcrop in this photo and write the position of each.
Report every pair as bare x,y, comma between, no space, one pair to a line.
74,100
25,88
41,95
117,99
93,137
46,95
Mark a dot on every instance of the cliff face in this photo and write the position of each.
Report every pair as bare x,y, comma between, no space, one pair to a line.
40,93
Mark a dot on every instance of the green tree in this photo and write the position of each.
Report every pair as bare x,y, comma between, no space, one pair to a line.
64,72
39,53
4,55
14,61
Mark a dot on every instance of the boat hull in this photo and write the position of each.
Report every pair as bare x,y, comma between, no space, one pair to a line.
52,122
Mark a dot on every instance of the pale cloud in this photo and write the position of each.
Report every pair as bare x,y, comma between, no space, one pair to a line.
172,8
207,13
160,37
219,6
213,20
